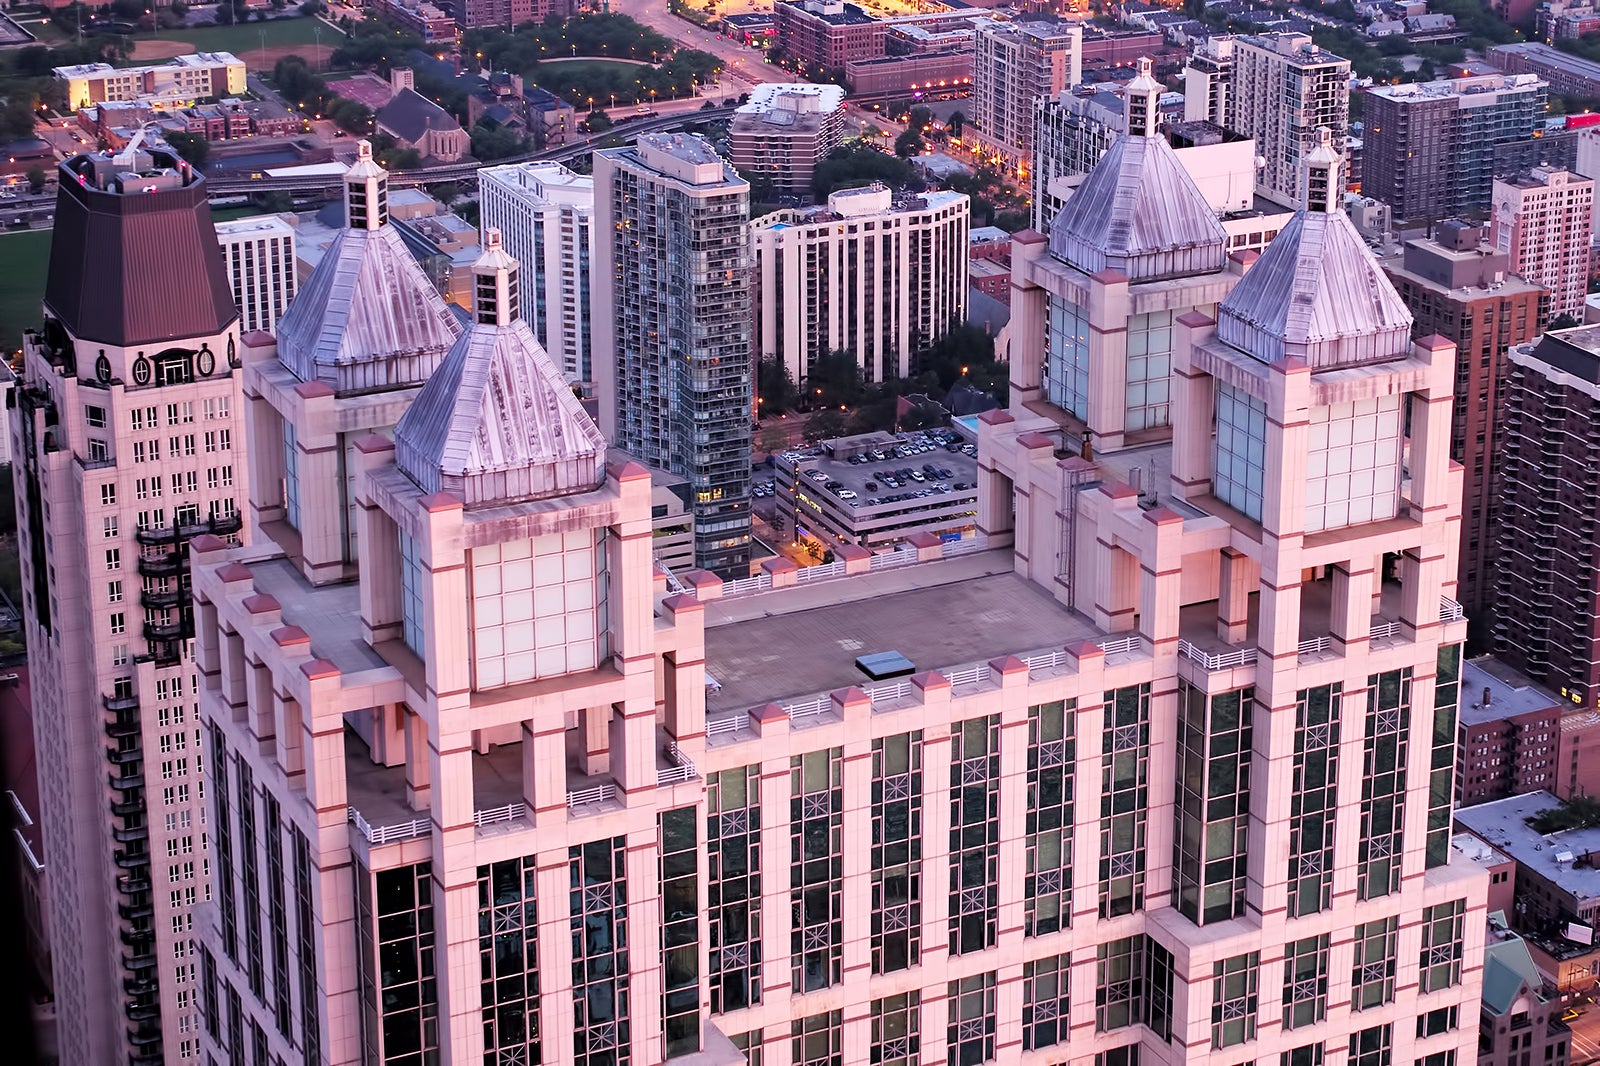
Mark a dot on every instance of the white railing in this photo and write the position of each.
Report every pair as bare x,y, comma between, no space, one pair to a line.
1315,645
1450,610
598,794
1119,645
819,573
1384,630
746,585
965,545
683,771
509,813
967,675
805,710
387,834
727,727
891,690
1222,660
893,560
1045,660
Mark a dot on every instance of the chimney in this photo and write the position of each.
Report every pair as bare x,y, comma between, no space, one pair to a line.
1487,695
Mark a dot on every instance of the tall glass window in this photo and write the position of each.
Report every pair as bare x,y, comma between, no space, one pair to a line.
1353,463
1383,783
1045,999
1067,357
816,872
1305,982
818,1040
972,1025
733,892
291,475
414,627
1441,772
896,1030
1213,808
1124,806
598,905
896,852
1372,978
1052,761
508,949
1239,456
1234,999
974,834
1315,797
1149,387
538,607
407,988
1440,961
680,931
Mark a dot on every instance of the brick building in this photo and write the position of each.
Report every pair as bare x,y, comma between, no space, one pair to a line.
1508,735
828,33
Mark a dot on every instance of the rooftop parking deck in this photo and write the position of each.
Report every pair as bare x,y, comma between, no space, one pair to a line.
804,640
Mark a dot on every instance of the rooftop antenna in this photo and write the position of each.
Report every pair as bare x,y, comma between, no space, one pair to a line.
129,155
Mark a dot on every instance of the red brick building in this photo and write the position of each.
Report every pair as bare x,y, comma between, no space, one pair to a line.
1508,737
829,33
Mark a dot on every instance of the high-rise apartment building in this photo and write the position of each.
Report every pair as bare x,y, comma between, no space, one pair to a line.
1458,287
875,274
1547,488
1013,65
1071,131
129,442
1428,150
258,254
545,215
782,132
1283,90
1206,80
1180,791
1542,221
672,317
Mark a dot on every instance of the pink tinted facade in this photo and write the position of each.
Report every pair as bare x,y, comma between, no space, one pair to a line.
1149,774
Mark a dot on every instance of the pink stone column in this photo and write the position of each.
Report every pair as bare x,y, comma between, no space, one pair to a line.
1240,577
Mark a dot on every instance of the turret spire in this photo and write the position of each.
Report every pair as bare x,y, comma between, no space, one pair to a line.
1142,101
1322,175
494,284
366,191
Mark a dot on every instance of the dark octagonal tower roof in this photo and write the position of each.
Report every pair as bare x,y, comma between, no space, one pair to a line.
134,259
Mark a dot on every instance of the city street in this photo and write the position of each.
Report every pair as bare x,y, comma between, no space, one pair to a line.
743,65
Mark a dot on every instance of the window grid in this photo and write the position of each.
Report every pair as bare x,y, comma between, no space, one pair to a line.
971,1028
1440,962
819,1039
508,931
1383,783
896,1030
1045,1001
680,931
896,852
1315,798
1234,999
974,834
1124,806
816,871
1441,772
733,891
1305,982
1372,1047
598,906
1213,802
1372,978
1052,762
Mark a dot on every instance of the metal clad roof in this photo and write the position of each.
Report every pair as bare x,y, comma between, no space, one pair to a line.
498,424
1317,293
367,318
116,260
1139,211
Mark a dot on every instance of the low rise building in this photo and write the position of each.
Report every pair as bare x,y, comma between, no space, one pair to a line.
783,130
425,20
873,272
181,81
1567,74
929,73
828,33
1520,1020
1508,734
877,489
1558,873
414,121
1578,755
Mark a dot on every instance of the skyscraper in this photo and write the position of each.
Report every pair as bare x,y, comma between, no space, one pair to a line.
1283,89
1013,65
545,215
130,442
1458,287
1428,149
1206,80
1169,779
891,280
258,253
672,313
1542,220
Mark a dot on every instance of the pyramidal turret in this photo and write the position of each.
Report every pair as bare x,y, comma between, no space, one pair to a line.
368,318
1317,292
497,423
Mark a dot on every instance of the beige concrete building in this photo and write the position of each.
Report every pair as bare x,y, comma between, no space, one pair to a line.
181,81
258,253
1013,65
128,441
782,132
1121,780
1542,221
1281,89
872,273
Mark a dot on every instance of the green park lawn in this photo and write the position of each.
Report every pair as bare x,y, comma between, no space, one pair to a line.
236,39
24,256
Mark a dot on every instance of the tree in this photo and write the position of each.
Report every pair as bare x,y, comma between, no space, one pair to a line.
825,424
598,122
490,142
469,212
955,123
36,179
835,380
445,192
908,144
1563,321
179,8
313,8
775,387
190,146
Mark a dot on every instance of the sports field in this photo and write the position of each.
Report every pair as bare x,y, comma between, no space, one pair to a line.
259,44
24,255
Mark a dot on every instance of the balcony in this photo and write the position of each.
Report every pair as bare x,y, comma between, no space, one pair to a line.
120,703
131,835
168,631
134,912
163,600
126,783
156,535
164,565
127,808
224,525
132,860
144,1038
123,757
140,940
133,886
142,1012
138,962
122,726
134,986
